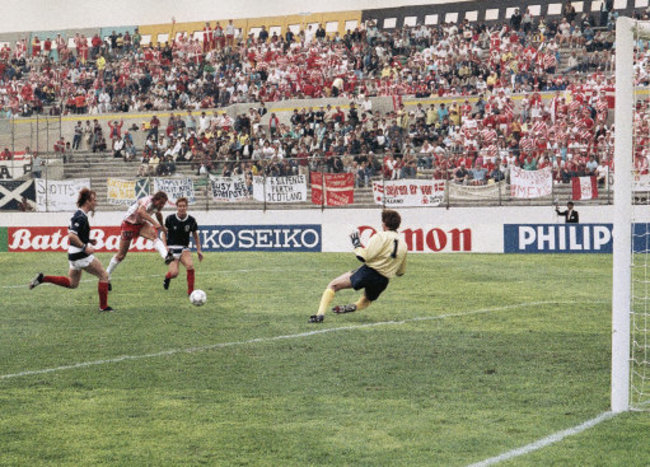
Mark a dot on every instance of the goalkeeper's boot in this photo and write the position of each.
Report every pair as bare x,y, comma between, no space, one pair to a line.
338,309
316,318
108,309
166,283
36,281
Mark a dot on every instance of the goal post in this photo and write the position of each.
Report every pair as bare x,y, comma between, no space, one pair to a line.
628,32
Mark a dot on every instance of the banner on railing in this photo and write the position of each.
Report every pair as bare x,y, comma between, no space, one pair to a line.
409,192
120,192
339,189
475,193
14,168
641,183
291,189
126,192
583,188
175,187
229,189
59,195
530,183
17,195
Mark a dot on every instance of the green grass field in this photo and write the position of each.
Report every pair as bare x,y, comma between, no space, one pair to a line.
463,359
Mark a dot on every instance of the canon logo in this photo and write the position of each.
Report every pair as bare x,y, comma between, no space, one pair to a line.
435,239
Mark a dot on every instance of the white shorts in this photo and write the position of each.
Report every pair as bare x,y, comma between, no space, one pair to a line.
177,251
82,263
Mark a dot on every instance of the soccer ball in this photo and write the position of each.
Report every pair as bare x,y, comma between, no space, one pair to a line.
198,297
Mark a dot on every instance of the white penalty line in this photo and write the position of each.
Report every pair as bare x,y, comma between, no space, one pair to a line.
542,443
222,345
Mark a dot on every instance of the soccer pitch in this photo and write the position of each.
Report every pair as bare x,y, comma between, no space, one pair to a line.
465,358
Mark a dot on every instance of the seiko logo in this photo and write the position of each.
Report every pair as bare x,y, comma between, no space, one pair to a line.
261,238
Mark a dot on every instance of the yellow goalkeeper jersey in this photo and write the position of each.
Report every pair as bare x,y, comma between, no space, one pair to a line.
385,253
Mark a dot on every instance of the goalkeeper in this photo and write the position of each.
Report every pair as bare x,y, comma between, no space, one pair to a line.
383,258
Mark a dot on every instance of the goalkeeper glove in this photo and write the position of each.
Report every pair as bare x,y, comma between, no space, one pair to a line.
354,237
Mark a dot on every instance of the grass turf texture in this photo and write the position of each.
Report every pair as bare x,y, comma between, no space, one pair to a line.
510,350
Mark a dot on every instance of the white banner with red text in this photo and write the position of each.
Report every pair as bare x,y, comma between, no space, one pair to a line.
405,192
530,183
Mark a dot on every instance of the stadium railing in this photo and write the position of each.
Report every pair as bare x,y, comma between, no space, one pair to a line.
254,184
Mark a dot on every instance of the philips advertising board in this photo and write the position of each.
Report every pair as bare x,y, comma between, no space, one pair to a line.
557,238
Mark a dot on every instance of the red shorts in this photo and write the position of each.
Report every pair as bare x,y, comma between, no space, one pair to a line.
130,231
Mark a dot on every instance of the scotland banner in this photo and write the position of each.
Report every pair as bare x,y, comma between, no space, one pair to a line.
58,195
175,188
229,189
291,189
12,193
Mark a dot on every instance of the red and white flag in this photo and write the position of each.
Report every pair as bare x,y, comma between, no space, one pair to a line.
584,188
397,102
339,189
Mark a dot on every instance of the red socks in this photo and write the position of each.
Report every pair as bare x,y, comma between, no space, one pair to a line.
62,281
102,289
190,281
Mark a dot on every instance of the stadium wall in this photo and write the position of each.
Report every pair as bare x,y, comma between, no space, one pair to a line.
485,12
435,12
461,230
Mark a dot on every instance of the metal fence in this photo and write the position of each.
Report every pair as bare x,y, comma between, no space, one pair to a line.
35,133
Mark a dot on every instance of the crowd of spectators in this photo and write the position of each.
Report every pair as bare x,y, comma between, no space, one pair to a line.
504,66
119,74
469,143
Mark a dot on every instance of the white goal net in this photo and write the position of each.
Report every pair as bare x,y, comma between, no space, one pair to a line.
631,280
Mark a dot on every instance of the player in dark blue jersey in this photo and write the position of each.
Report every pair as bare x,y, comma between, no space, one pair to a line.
80,252
179,227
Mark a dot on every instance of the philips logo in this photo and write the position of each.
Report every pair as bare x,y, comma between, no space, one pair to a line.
554,238
261,238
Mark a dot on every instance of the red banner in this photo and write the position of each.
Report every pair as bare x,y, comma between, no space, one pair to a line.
56,239
339,189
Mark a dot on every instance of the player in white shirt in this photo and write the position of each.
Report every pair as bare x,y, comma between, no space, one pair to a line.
383,258
139,221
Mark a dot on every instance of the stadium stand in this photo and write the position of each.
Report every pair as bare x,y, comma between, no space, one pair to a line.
457,101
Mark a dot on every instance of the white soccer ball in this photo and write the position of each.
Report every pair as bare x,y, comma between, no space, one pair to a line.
198,297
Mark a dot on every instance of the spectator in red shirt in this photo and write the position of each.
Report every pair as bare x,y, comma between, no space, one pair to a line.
6,155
